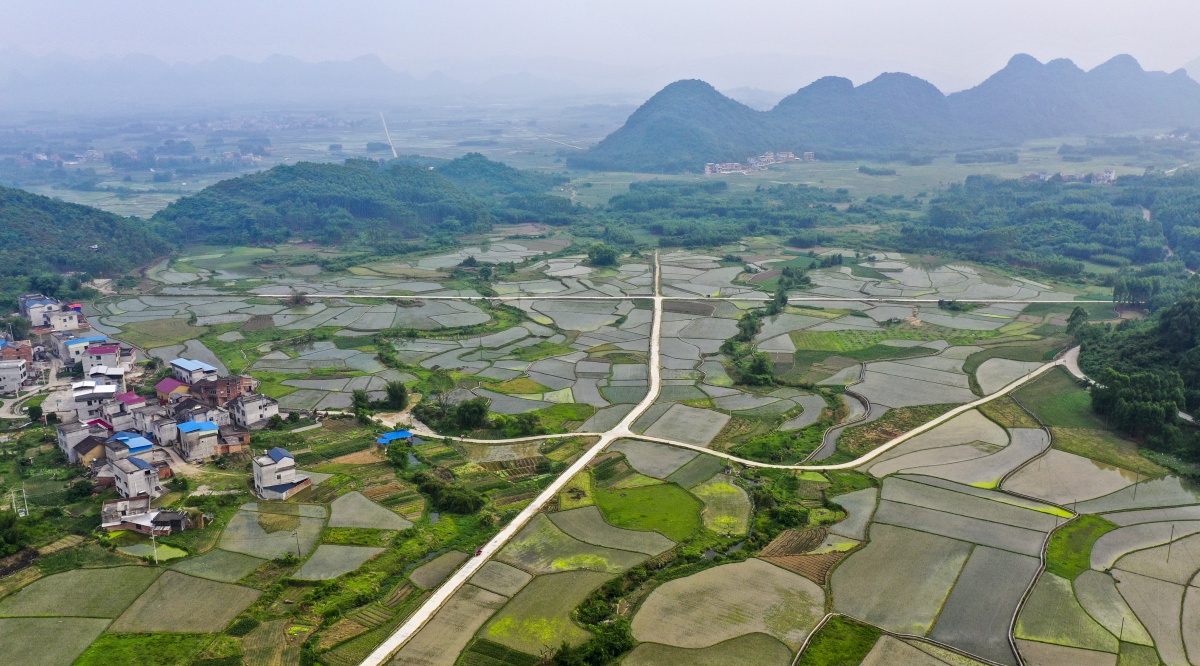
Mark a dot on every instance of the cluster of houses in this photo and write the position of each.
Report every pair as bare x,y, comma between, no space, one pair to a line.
757,163
1109,177
130,441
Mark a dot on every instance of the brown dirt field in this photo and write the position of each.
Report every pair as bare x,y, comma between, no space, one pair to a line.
62,544
258,323
19,580
366,457
385,491
813,567
795,542
687,307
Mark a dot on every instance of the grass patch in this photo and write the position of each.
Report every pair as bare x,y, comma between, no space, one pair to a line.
1106,447
209,607
555,416
89,555
483,652
1059,401
1070,550
1036,351
840,641
82,593
665,508
577,493
887,353
540,351
160,332
47,641
1006,412
540,615
519,385
143,649
857,440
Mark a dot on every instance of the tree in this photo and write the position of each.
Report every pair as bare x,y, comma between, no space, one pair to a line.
778,302
18,325
13,534
602,254
360,401
469,262
397,454
397,395
35,412
1078,318
472,413
293,417
275,422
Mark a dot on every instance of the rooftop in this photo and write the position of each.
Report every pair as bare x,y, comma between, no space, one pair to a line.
194,426
103,349
192,365
88,341
130,398
131,464
168,385
277,454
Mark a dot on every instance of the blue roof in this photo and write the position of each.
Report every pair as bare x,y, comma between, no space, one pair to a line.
193,426
139,444
192,365
278,454
284,487
139,463
389,437
124,436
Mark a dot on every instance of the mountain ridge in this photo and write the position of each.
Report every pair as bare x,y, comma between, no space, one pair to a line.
689,123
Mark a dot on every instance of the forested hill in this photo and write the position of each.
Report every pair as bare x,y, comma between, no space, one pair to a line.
689,123
43,235
483,177
328,203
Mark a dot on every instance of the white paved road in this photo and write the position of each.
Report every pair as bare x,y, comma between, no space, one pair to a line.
452,585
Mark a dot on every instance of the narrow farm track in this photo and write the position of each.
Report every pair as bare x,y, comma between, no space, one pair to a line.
626,297
623,431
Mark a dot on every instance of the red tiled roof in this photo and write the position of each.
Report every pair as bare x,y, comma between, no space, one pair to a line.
103,349
168,385
130,398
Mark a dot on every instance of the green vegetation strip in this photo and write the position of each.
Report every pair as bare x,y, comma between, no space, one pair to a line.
840,641
1070,549
665,508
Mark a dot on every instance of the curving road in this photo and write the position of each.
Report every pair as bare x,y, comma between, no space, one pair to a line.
623,431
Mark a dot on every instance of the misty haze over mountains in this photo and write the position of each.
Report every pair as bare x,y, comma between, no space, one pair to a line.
689,123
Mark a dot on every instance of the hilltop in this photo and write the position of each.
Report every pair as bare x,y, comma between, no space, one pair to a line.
894,115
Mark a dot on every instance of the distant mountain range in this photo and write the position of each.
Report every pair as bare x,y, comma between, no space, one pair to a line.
66,84
689,123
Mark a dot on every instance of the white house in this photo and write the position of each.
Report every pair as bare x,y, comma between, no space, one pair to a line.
254,410
136,477
105,375
198,440
101,355
189,371
12,375
63,320
275,475
89,399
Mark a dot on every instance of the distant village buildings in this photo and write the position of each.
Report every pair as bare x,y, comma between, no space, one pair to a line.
757,163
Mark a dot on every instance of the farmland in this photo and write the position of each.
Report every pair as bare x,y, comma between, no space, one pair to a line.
683,555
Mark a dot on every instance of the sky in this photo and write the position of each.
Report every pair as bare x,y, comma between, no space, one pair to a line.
767,44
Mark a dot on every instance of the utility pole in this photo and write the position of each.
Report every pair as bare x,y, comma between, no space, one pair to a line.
294,533
154,541
1172,539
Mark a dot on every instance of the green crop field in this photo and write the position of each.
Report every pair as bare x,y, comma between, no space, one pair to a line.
759,649
47,641
1070,549
220,565
81,593
840,641
1059,401
143,649
666,509
210,606
540,615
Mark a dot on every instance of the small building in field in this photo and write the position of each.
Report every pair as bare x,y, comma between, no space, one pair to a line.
137,515
135,476
275,475
198,440
388,438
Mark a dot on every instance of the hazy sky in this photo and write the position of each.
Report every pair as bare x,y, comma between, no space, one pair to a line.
775,44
